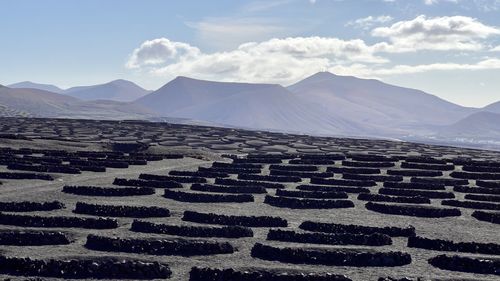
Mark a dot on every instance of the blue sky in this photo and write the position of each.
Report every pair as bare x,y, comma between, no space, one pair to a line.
450,48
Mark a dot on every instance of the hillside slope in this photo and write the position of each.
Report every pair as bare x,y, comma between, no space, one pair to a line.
117,90
375,102
38,86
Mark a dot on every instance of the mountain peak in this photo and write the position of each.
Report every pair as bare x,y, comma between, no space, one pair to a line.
122,82
38,86
117,90
323,74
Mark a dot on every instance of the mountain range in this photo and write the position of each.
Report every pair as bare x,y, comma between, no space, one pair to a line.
117,90
322,104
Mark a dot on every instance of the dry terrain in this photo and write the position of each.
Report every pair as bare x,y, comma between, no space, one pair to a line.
317,173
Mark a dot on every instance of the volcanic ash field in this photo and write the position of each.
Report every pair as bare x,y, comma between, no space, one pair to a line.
138,200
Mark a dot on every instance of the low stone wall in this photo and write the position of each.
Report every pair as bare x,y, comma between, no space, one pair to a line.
413,192
248,183
450,246
306,203
425,160
312,161
300,174
480,197
108,191
120,211
207,197
366,164
380,178
173,247
200,174
294,168
257,160
228,189
475,176
312,194
471,204
27,206
415,185
236,165
230,170
413,211
172,178
99,268
39,221
372,158
359,183
467,264
445,181
270,178
147,183
375,239
350,170
250,221
25,176
488,184
481,190
480,169
357,229
328,188
395,199
33,238
437,167
64,169
192,230
487,216
212,274
334,257
415,173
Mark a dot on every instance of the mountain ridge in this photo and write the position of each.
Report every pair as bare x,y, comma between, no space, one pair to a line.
38,86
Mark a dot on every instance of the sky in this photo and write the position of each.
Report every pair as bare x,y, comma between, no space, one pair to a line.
449,48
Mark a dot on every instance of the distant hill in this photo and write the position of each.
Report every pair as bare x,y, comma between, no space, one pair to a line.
375,102
270,107
258,106
494,107
36,102
323,102
6,111
39,103
477,125
117,90
183,92
31,85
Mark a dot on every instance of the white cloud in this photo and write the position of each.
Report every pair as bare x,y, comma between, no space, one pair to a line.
374,71
281,61
160,51
489,63
432,2
275,60
495,49
368,22
440,33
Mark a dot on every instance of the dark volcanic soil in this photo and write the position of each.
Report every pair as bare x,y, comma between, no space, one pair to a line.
200,147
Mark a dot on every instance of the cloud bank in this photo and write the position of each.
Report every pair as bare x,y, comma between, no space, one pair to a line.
286,60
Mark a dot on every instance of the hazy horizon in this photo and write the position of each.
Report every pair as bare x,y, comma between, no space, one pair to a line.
425,45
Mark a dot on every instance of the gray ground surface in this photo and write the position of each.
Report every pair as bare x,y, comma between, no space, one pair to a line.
203,145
